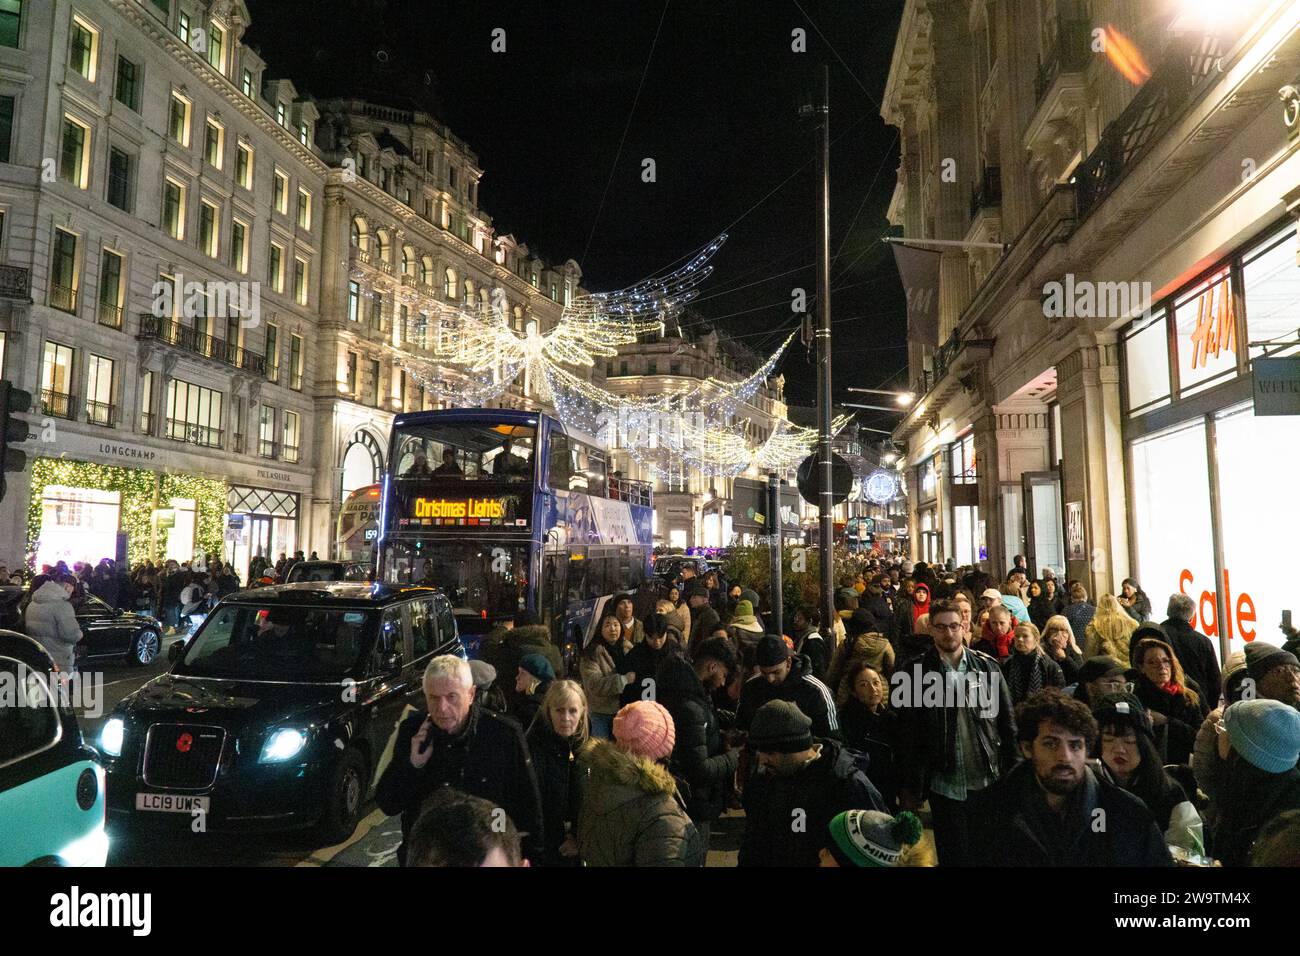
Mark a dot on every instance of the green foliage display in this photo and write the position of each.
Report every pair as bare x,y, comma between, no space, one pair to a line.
136,487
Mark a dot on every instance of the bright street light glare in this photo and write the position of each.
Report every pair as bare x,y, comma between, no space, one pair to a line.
905,398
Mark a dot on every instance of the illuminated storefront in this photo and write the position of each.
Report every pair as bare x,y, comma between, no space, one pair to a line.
1213,511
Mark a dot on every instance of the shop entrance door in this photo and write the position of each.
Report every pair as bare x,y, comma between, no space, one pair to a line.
259,537
1044,538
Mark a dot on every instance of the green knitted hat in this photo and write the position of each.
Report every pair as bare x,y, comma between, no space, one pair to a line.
872,838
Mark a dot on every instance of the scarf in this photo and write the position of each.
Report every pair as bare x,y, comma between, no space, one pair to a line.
1173,689
1024,675
1001,642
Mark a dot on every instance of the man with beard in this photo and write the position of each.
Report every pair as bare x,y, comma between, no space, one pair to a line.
1052,809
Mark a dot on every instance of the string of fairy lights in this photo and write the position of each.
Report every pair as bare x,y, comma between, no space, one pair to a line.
470,355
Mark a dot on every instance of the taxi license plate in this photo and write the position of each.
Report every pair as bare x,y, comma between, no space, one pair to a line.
172,802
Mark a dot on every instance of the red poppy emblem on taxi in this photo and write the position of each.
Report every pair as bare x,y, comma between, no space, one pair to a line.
184,742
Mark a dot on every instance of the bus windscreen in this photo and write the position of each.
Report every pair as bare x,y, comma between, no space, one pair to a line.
465,452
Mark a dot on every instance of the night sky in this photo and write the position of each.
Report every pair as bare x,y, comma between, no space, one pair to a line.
718,112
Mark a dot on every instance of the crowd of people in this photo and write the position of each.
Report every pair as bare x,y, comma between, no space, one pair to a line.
1007,717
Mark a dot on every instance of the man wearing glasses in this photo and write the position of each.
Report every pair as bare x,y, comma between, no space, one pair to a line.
1100,676
956,742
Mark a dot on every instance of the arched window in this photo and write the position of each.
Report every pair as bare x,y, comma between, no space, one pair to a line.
408,261
360,234
450,284
381,245
426,270
363,463
519,319
469,292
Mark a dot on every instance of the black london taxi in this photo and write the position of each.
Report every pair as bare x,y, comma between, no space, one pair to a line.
51,781
278,712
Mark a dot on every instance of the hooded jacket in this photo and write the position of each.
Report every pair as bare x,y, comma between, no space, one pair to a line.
700,756
800,688
487,759
632,815
870,648
1011,825
822,788
1250,798
50,619
506,647
645,662
704,621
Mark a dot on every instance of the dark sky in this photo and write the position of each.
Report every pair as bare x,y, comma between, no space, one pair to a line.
718,112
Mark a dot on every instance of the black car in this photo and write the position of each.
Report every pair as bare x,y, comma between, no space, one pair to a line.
327,571
276,714
107,633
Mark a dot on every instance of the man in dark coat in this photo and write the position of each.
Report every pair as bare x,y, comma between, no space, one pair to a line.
704,619
507,645
456,743
957,733
1052,810
809,641
802,783
1193,649
700,755
784,675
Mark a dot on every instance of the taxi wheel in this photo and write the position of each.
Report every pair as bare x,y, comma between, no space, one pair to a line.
344,797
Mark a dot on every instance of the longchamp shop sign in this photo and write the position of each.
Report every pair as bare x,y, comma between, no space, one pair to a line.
1276,385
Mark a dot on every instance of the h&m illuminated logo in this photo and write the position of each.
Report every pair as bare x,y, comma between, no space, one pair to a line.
470,508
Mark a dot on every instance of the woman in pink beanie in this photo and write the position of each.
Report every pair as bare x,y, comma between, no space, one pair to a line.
632,814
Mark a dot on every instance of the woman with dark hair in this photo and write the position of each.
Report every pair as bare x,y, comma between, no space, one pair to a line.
1127,751
1040,605
1055,596
604,672
1135,601
870,726
1168,697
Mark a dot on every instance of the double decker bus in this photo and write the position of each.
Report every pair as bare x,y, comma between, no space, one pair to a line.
506,510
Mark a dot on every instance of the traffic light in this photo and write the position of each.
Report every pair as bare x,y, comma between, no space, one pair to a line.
12,430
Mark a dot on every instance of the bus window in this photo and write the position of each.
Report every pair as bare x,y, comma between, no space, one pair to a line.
464,450
560,465
576,579
595,471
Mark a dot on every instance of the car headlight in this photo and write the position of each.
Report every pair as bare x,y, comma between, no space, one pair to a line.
110,738
283,744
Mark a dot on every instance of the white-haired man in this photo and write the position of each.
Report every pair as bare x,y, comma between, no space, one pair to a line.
457,743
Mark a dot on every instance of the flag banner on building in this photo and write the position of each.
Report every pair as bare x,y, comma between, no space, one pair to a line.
919,270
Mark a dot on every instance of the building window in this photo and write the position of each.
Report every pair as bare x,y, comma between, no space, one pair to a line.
1146,362
300,281
281,114
110,290
451,176
674,368
266,432
449,284
74,157
214,144
372,382
239,246
56,380
65,275
83,48
304,133
193,414
6,125
377,309
1205,328
304,209
146,403
275,268
11,15
100,409
128,84
354,301
183,28
244,166
1268,275
352,374
217,47
174,209
281,193
652,368
178,120
209,239
120,176
289,436
295,362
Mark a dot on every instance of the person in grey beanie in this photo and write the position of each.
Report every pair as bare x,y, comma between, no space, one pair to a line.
802,783
1262,781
